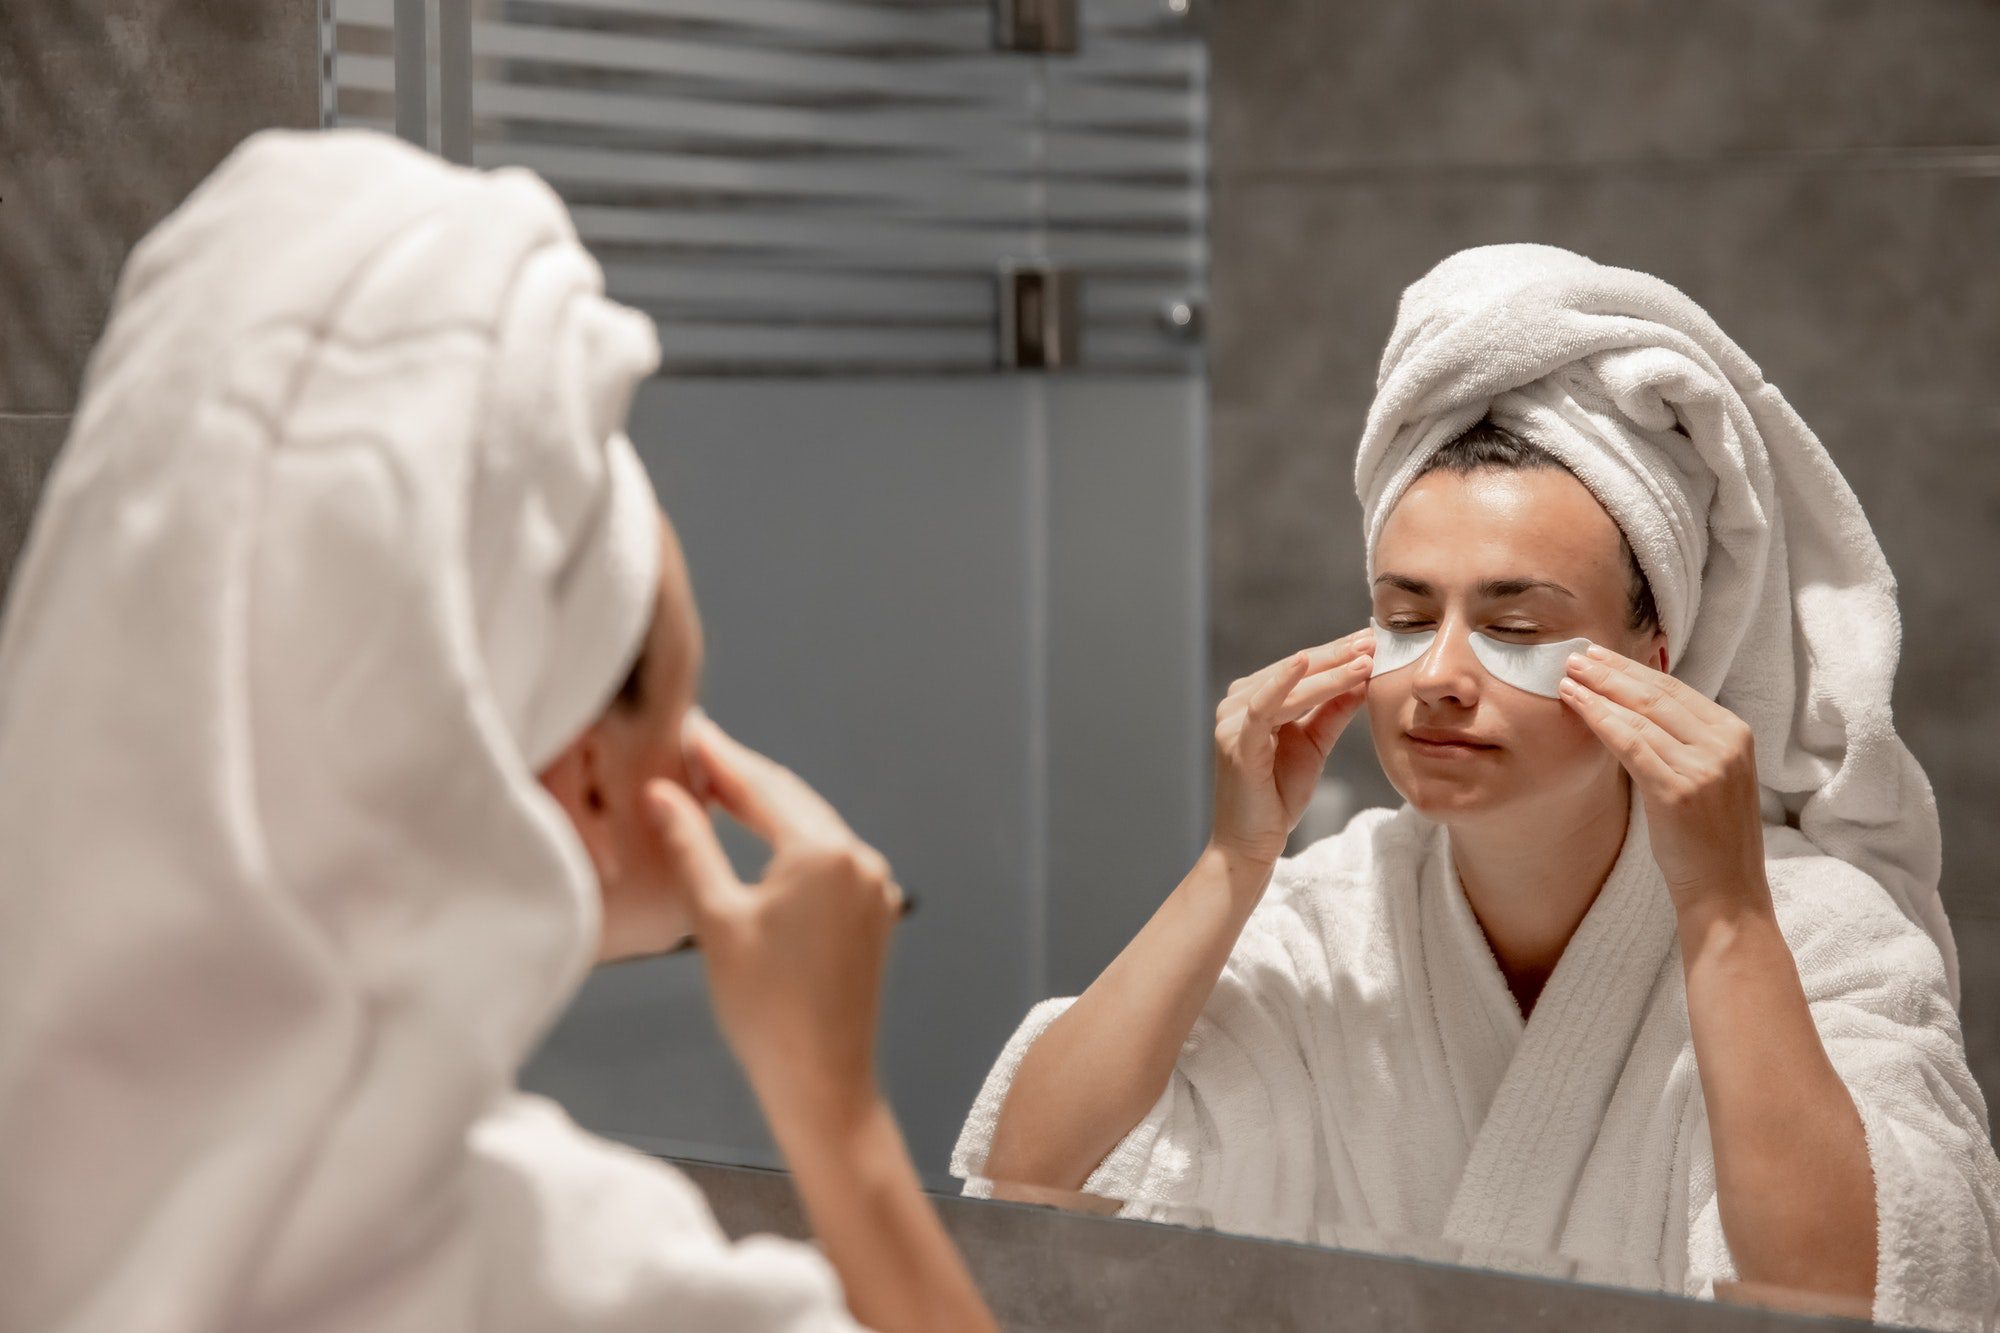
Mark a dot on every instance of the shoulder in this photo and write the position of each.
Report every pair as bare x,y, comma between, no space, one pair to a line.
1337,909
577,1231
534,1147
1374,840
1355,876
1851,940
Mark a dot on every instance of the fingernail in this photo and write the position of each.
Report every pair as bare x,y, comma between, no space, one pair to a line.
1597,652
1574,661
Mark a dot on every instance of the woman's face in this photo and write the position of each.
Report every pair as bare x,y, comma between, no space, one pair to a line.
600,780
1521,556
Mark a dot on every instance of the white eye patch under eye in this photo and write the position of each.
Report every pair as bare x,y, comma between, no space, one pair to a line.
1537,668
1396,649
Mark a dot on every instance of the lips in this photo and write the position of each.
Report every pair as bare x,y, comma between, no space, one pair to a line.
1433,738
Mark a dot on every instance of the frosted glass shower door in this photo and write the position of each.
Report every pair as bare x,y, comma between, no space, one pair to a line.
965,602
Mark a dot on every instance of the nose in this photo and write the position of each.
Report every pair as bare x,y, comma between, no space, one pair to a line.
1448,673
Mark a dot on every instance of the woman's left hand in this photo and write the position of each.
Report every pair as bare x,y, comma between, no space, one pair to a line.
1695,765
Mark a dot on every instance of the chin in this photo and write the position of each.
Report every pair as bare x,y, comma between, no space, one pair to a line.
1440,793
1444,800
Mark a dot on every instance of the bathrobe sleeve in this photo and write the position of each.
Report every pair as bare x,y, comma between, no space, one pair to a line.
1876,986
1232,1140
581,1234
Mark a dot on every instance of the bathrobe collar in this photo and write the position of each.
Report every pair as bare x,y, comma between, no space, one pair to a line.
1527,1091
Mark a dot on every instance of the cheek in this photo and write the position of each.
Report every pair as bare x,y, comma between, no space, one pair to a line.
1549,736
1385,706
1386,696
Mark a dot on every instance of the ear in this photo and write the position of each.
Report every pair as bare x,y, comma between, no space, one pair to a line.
1656,656
575,780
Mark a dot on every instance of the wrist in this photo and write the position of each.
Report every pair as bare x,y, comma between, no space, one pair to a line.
807,1103
1245,872
1715,927
847,1138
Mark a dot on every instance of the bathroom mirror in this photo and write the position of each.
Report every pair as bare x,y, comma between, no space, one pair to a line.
1000,490
1724,152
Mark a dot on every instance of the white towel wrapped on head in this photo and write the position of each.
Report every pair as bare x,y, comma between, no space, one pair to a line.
346,543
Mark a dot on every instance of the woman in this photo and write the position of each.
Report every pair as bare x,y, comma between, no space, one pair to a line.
1648,980
318,804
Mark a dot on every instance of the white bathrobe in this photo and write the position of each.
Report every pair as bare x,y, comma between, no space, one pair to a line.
1361,1076
1361,1069
347,542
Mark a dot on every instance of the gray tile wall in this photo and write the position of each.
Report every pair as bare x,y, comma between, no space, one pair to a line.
1823,175
110,112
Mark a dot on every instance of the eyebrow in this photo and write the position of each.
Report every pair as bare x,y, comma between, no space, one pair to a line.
1492,589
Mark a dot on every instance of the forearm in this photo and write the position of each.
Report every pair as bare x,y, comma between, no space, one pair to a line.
867,1209
1793,1180
1103,1062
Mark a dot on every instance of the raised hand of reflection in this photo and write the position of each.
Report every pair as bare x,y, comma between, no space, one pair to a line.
1695,765
1273,732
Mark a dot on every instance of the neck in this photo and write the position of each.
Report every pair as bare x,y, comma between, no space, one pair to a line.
1530,882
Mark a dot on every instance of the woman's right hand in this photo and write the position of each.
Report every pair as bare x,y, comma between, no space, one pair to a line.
1273,732
795,969
794,961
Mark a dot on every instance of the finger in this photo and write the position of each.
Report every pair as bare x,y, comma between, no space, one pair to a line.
1268,696
1640,744
1670,702
1322,726
1315,690
719,768
693,853
758,792
904,904
1320,658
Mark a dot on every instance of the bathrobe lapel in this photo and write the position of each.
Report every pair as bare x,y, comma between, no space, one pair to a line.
1474,1020
1543,1118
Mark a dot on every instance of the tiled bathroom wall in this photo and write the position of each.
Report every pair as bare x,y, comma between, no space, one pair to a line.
110,112
1822,175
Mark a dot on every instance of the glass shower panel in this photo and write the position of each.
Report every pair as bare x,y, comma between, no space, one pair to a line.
963,600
